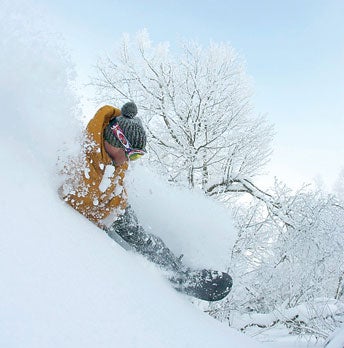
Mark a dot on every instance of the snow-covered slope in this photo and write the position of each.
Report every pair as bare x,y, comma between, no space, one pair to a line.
64,283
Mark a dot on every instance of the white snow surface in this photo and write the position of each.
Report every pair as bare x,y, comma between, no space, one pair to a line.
64,282
336,340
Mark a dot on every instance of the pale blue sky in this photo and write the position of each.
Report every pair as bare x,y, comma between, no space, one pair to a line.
294,52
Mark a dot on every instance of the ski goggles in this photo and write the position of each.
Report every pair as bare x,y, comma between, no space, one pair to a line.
132,154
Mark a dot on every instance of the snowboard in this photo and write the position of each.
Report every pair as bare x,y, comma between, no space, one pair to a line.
204,284
207,285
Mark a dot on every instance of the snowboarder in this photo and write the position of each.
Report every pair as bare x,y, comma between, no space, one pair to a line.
113,138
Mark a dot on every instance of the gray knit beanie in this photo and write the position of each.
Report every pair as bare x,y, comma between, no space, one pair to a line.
131,126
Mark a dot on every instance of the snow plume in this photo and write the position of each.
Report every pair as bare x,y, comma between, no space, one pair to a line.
37,102
190,223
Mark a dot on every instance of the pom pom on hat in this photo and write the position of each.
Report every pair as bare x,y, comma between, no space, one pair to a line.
129,110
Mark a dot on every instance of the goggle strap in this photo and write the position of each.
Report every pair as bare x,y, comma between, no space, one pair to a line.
118,133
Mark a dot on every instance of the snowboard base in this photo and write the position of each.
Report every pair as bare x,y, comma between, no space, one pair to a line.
207,285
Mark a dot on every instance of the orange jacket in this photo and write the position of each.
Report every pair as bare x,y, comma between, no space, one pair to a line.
99,195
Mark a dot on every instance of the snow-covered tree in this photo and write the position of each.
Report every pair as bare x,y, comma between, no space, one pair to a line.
196,107
288,262
339,185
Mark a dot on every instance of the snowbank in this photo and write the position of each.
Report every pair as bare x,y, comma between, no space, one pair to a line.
336,340
319,308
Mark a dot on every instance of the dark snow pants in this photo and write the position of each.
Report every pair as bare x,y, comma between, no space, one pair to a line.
146,244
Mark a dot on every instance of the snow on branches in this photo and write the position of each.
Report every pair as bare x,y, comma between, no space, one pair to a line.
196,107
